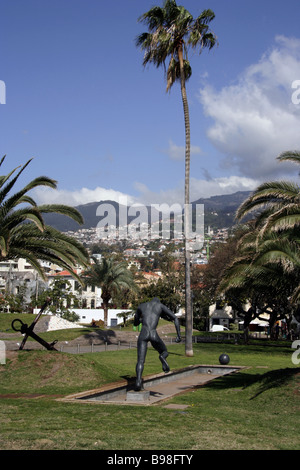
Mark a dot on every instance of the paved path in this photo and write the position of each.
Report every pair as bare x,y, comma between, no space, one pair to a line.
157,388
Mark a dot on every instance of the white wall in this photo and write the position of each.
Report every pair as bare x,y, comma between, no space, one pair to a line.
86,315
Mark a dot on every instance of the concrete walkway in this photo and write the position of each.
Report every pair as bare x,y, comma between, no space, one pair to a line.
157,388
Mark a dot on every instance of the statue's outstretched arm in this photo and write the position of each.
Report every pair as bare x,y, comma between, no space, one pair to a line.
137,318
168,315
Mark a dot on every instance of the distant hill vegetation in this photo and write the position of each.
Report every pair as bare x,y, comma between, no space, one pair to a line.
219,212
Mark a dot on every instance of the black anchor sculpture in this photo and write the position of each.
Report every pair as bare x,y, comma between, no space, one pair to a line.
28,330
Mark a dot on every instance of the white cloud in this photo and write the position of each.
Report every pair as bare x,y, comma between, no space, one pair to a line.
198,189
172,196
218,186
255,119
78,197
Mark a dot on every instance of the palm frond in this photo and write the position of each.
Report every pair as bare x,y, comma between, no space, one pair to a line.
27,254
269,193
15,218
109,274
274,249
23,232
2,159
50,245
154,18
200,35
269,255
173,73
169,29
283,219
4,191
290,155
277,190
63,210
3,246
27,199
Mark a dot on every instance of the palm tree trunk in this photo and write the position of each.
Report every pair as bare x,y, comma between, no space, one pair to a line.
188,303
105,311
106,298
247,320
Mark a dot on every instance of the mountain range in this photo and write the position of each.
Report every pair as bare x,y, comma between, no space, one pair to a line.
219,212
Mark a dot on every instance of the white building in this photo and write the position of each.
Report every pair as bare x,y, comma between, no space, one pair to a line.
88,315
89,296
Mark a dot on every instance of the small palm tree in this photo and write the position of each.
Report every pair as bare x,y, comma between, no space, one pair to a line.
23,233
112,277
172,29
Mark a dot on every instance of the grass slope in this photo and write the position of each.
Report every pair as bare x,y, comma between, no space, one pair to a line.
257,408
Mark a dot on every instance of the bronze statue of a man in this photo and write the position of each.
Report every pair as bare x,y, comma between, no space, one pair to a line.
149,314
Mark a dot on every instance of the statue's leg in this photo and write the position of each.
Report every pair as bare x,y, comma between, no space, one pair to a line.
160,347
142,350
163,358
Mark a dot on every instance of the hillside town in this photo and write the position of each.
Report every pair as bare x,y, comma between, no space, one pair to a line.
18,278
137,246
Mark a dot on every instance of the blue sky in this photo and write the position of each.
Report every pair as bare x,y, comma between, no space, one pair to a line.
79,101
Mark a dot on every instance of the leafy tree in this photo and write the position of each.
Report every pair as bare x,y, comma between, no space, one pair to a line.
124,298
222,255
62,299
14,302
166,262
171,31
166,289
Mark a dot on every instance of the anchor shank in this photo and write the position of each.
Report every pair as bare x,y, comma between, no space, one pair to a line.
41,341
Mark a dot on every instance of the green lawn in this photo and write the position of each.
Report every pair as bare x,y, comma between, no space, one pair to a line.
257,408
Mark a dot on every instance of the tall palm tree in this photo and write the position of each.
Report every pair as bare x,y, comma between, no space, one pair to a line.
112,276
172,29
23,232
